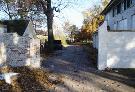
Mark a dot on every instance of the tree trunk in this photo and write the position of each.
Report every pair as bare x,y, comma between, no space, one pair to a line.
50,26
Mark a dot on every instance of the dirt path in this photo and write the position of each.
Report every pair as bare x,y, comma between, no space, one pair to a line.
78,74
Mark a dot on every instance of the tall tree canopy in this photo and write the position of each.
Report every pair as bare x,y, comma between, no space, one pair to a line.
92,19
28,9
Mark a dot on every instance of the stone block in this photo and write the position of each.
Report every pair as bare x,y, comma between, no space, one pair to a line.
19,51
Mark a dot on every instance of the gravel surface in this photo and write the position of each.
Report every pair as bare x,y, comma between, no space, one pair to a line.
77,73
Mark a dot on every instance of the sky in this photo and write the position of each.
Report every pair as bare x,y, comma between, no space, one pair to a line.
74,14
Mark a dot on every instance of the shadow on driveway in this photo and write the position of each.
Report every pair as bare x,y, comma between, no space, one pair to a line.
80,75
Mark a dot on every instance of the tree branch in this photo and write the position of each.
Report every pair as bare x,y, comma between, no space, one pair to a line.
43,4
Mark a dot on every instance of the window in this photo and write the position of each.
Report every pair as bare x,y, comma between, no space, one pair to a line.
133,22
122,6
119,8
113,12
125,4
129,2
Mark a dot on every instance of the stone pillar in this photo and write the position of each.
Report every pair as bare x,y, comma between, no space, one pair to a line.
35,53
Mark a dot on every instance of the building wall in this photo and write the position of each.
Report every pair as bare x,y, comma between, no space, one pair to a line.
102,47
19,51
116,49
126,14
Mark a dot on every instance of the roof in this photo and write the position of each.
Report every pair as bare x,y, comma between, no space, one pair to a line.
18,26
109,6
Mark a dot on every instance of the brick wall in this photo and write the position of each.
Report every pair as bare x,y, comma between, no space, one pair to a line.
19,51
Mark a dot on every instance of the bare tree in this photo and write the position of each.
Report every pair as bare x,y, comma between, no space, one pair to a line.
29,8
92,19
49,10
9,7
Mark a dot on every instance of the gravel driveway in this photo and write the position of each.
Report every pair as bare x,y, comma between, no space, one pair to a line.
78,74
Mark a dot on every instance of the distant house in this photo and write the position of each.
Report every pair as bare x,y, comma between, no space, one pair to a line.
3,28
21,27
120,14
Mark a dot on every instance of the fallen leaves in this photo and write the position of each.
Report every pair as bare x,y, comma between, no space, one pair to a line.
30,79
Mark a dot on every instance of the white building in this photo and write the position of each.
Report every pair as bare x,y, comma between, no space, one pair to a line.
115,39
120,14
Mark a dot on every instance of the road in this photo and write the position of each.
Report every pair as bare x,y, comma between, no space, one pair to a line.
76,71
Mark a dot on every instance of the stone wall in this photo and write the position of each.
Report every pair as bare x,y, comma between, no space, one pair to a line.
19,51
116,49
35,52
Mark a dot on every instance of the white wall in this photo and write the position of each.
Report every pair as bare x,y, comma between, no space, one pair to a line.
19,51
102,47
116,49
30,32
35,53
